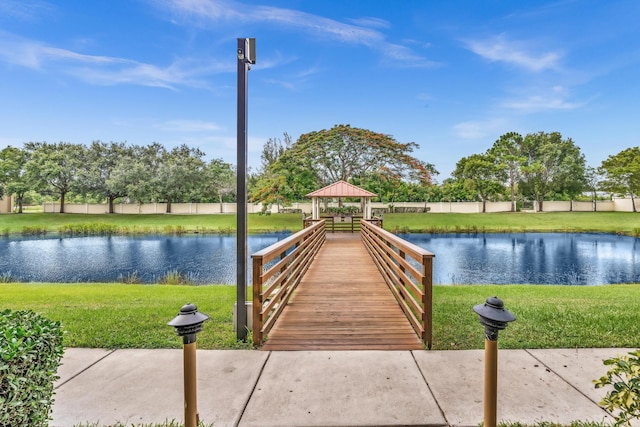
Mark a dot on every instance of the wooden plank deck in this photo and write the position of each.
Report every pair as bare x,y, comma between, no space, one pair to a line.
342,303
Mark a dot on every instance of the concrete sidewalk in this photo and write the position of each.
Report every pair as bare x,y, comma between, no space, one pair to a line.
337,388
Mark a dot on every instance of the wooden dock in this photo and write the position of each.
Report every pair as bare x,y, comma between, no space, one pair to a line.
342,303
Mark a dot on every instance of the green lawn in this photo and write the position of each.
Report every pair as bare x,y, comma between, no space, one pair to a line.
612,222
126,316
135,316
161,223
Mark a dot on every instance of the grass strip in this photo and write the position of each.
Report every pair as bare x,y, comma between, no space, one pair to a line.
77,224
627,223
135,316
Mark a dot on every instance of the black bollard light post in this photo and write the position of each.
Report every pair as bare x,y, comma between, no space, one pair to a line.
494,317
187,324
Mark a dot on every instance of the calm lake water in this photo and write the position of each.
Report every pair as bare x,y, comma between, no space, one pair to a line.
532,258
537,258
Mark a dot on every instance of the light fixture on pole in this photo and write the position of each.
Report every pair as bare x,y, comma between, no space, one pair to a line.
246,54
494,317
187,324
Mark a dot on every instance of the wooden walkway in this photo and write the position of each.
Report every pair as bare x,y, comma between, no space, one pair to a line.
342,303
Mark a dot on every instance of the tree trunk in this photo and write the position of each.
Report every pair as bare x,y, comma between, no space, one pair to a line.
169,205
513,198
19,200
62,195
540,202
633,204
484,205
111,199
570,205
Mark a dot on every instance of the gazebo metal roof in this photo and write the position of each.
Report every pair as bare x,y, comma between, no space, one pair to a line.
341,189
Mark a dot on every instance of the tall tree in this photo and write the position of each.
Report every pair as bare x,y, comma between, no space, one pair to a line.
622,173
343,152
54,168
320,158
12,174
104,161
180,175
284,181
219,180
592,183
550,161
139,175
481,175
273,149
509,154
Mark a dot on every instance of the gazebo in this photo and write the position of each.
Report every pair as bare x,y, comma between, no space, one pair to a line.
341,189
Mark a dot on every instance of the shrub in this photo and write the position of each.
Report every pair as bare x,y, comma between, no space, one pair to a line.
7,277
174,277
92,229
132,278
624,376
33,230
175,229
30,352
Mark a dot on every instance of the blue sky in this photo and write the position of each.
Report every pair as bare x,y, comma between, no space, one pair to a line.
451,76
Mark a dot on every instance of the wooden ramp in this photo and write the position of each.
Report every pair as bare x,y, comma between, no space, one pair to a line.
342,303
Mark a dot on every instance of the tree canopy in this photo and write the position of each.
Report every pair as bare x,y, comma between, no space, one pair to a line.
536,167
551,164
12,174
622,173
481,175
320,158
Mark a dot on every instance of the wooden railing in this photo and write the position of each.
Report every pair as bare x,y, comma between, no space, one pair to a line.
407,269
339,223
277,270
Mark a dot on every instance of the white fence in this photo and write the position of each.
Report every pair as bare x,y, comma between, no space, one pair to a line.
5,204
617,205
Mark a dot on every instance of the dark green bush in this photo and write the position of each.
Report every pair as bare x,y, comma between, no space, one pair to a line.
30,352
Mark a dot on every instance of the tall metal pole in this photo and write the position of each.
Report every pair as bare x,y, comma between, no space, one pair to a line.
246,56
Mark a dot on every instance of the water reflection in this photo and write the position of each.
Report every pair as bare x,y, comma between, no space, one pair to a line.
537,258
203,259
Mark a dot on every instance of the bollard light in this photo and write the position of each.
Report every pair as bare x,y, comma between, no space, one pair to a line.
187,324
494,317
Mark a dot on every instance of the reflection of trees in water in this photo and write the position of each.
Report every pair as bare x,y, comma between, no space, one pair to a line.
460,259
543,258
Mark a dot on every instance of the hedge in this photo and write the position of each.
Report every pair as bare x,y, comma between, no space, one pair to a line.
30,352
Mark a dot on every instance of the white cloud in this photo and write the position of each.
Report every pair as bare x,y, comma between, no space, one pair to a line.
478,129
105,70
500,49
188,126
361,32
33,54
372,22
25,10
556,98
